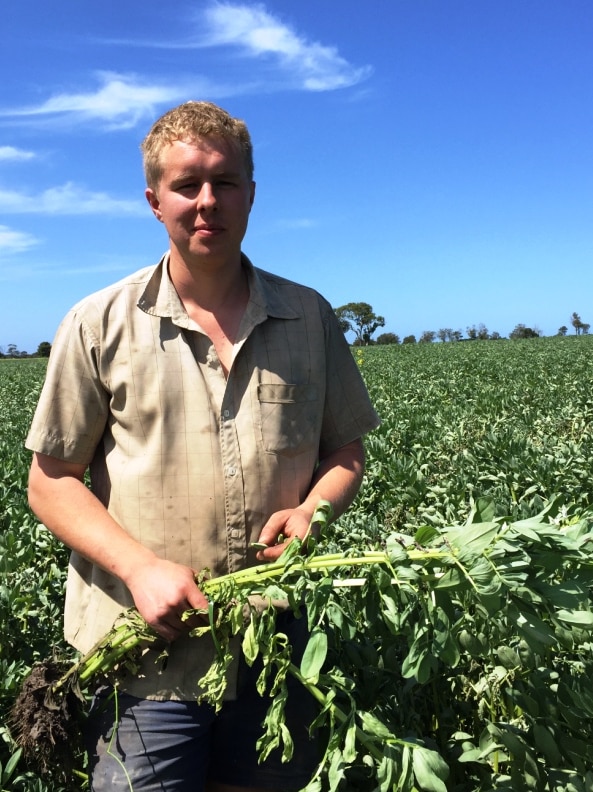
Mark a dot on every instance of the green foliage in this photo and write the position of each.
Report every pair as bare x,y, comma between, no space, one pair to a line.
511,421
360,319
472,670
32,564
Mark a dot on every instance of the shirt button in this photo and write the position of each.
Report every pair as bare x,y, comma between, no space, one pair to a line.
232,471
226,413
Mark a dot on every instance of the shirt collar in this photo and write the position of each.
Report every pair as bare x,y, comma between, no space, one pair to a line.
265,298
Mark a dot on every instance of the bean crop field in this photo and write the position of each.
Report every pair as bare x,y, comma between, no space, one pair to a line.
465,663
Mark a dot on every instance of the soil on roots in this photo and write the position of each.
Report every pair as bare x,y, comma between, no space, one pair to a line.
46,724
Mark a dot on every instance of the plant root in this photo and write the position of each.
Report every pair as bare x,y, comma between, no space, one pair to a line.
46,724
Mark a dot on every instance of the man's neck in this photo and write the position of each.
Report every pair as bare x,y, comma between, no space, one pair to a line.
210,288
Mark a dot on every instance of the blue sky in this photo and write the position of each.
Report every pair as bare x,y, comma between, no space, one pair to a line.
431,157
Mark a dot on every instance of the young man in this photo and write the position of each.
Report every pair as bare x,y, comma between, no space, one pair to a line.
214,405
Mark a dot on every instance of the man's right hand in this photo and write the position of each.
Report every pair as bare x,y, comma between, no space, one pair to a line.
162,592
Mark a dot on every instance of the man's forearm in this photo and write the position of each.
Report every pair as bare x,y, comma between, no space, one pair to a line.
337,479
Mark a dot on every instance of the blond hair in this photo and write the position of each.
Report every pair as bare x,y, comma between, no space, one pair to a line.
191,121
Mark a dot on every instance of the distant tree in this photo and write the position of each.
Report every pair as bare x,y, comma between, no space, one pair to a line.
521,331
562,331
409,339
495,336
44,349
579,326
480,333
387,338
447,334
12,351
360,319
427,337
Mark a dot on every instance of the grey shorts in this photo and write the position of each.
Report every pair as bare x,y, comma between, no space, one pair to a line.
175,746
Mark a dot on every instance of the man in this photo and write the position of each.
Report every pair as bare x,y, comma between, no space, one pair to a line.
214,405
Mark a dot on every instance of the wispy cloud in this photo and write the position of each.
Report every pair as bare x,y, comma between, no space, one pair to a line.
313,66
12,241
67,199
120,102
12,154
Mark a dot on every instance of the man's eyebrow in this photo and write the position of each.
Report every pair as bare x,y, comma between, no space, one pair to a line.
190,173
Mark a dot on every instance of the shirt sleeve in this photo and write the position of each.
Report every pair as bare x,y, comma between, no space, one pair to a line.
348,411
72,411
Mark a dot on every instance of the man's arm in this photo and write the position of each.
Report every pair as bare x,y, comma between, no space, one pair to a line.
337,479
162,590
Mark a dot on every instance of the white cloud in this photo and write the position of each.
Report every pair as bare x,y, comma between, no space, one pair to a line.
67,199
10,153
121,101
316,67
12,241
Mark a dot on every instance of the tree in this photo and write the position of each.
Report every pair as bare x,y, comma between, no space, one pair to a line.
360,319
480,332
388,338
521,331
579,327
562,331
446,334
427,337
44,349
409,339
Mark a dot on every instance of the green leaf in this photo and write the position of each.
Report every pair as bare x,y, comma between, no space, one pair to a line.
336,770
473,538
426,534
314,655
372,725
508,657
581,618
534,629
546,743
250,645
349,751
430,770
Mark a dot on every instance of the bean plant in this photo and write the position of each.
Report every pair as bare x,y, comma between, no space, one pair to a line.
461,660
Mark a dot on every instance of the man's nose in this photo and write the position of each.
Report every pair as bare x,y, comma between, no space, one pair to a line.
206,196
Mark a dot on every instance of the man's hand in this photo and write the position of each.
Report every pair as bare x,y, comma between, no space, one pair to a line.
282,527
162,592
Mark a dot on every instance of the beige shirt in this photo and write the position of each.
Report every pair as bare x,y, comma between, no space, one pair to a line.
189,462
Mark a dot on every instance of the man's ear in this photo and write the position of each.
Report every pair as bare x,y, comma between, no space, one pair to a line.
252,195
154,203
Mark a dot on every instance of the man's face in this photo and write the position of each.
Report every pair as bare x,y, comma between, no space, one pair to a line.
203,199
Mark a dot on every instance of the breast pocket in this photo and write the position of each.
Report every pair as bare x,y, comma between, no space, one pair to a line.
290,416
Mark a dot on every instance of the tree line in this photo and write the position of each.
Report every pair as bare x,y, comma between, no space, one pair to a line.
12,351
360,319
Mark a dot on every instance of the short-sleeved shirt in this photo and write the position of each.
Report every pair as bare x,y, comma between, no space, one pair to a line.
189,461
